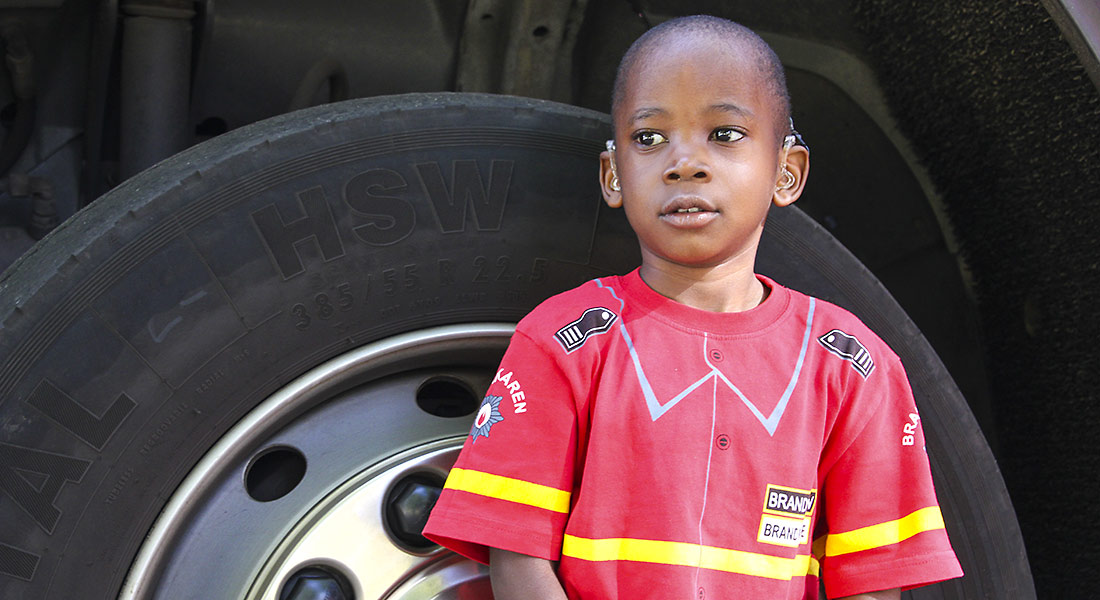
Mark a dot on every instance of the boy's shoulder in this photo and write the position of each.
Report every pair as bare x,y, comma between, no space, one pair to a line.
841,332
574,315
826,311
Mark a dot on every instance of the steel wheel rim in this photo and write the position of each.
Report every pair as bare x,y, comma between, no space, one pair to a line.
358,369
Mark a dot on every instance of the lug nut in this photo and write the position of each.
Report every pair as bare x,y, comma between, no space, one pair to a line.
315,583
411,501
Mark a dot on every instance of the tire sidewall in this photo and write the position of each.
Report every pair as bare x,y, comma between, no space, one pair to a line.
145,328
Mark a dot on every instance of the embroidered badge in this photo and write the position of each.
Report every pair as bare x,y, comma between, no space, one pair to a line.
487,416
780,531
788,513
594,321
788,501
850,349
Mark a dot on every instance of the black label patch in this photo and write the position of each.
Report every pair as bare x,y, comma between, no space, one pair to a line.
781,500
850,349
594,321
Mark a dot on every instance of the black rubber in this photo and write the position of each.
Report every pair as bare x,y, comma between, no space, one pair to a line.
1018,103
137,333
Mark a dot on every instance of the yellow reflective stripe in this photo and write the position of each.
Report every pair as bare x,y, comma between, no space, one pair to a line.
506,488
690,555
884,534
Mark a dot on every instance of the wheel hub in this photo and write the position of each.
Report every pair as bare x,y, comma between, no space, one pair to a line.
322,490
365,537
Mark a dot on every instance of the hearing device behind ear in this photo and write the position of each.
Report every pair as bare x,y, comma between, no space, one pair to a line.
794,138
614,185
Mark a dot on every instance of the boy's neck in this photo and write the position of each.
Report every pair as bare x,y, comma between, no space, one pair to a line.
724,288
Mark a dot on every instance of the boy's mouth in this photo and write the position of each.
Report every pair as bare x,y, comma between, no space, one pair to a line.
688,212
686,205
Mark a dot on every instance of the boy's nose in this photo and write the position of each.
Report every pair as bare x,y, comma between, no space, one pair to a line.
688,167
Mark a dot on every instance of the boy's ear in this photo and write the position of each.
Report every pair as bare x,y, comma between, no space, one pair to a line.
613,197
798,165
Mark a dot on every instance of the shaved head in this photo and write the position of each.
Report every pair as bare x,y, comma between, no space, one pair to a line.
736,36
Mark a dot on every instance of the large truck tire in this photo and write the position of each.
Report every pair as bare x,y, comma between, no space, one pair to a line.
241,373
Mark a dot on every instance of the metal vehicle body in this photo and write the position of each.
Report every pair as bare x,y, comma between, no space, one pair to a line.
954,156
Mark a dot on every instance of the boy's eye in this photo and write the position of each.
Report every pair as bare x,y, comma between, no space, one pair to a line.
649,138
726,134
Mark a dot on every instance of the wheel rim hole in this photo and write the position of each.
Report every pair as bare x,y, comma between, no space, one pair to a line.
447,397
316,583
274,473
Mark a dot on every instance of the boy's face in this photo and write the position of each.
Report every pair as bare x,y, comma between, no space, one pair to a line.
698,154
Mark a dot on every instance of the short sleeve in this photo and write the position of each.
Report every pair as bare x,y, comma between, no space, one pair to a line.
884,526
512,485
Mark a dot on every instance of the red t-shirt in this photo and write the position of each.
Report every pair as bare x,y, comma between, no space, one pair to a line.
658,450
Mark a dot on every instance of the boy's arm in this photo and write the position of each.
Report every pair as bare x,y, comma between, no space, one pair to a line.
893,594
521,577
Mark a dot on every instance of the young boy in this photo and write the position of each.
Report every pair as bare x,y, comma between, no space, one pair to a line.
692,429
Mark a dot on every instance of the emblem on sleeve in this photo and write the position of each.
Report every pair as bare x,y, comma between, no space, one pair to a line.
846,346
594,321
487,416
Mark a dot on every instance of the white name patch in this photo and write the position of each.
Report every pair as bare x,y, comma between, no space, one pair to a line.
781,531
